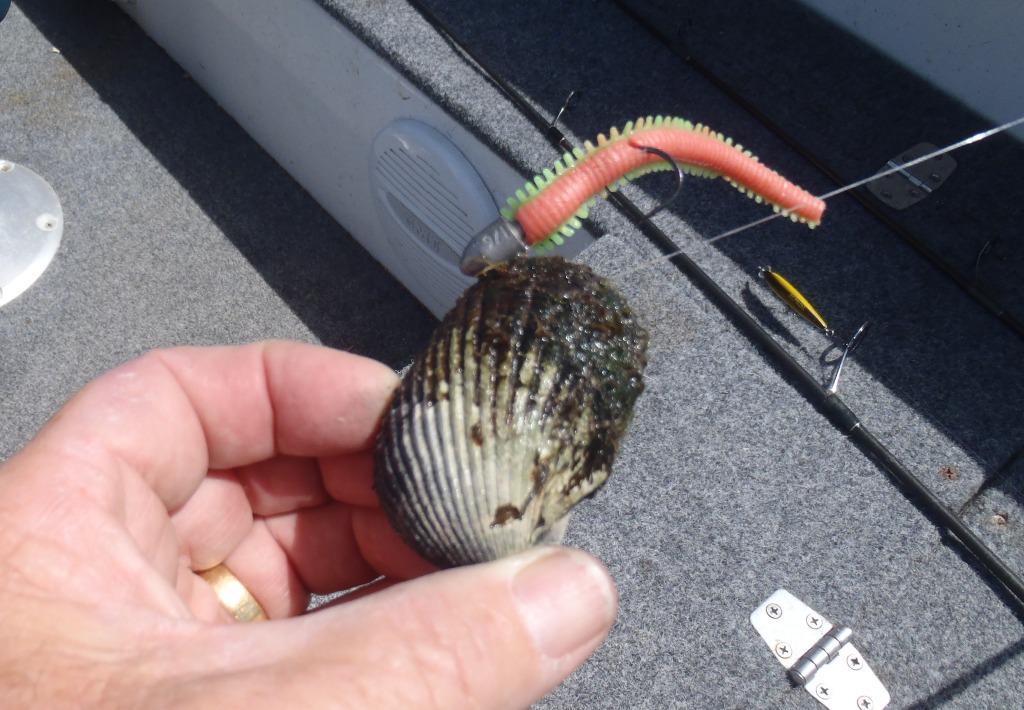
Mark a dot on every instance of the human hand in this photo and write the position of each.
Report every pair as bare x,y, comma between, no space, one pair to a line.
258,457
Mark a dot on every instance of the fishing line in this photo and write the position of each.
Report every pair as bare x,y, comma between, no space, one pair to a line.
975,138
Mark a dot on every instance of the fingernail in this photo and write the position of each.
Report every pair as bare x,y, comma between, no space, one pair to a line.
566,599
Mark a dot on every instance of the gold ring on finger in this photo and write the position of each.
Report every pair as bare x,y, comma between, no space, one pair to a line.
233,595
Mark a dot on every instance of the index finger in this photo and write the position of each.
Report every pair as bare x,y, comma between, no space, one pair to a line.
172,415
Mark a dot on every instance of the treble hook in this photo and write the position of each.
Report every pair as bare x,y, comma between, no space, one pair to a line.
679,176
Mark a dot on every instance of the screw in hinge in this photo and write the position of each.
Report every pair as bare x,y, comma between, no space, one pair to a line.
773,610
865,703
783,650
823,692
814,621
854,662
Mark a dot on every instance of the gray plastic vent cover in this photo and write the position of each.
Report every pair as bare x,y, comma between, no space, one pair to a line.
431,202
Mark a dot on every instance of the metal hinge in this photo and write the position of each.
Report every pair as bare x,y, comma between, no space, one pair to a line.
818,655
909,186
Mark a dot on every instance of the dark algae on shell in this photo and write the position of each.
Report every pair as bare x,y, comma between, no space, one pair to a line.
512,414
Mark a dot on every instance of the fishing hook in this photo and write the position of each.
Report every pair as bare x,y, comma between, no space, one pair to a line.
679,177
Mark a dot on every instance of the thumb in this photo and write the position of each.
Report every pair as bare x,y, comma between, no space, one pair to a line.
495,635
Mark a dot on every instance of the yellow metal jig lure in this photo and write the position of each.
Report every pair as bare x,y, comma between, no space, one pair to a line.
791,296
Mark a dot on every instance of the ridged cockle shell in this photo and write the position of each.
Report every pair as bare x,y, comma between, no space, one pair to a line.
512,414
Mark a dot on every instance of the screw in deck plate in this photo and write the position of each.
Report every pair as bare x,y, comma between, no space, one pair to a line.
854,662
783,650
773,610
823,692
865,703
814,621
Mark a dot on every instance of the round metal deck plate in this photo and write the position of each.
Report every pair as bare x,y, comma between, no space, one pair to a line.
31,225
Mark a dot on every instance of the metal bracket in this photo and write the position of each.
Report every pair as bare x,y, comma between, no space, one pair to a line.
818,655
911,185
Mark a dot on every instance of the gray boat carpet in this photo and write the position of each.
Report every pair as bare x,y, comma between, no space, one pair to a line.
924,343
730,485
